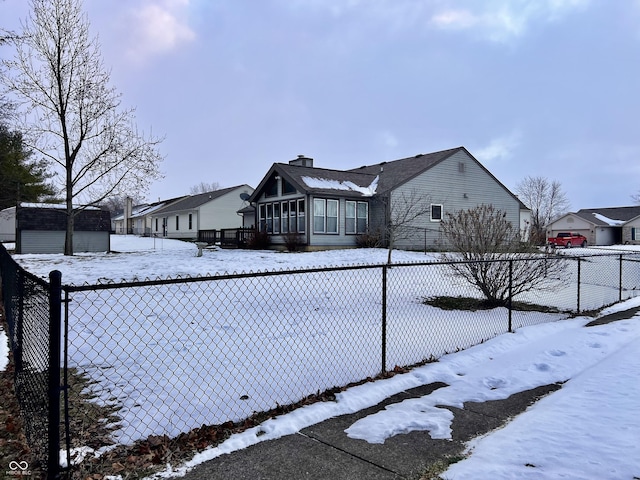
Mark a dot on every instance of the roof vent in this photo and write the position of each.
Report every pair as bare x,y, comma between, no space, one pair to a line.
302,161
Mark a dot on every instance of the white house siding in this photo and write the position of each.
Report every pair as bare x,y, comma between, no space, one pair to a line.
525,223
141,225
455,187
222,212
183,231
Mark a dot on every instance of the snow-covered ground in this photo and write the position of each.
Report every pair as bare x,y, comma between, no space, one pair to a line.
138,258
172,357
149,356
589,429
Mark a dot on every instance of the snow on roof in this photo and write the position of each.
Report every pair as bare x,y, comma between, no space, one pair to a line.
609,221
60,206
327,184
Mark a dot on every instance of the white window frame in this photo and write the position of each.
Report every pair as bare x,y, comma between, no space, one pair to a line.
276,218
301,215
269,218
319,203
436,205
325,202
284,217
356,218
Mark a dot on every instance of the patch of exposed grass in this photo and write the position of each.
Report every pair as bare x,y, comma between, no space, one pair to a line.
434,470
474,304
90,423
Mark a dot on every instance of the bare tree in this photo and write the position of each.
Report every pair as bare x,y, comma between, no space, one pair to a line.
402,212
73,116
204,187
492,258
546,200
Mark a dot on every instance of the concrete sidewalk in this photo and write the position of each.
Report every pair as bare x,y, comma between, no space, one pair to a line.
323,451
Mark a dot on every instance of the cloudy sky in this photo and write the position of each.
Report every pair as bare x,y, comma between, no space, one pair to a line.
530,87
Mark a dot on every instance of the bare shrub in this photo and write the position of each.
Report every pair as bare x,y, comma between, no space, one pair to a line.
258,240
491,256
293,241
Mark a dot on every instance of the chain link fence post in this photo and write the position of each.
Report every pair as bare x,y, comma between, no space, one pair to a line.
55,304
620,282
510,304
384,318
579,280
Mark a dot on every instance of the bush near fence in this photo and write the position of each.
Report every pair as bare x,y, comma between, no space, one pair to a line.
171,355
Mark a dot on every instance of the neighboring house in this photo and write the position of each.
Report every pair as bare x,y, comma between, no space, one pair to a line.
8,225
139,220
214,210
601,226
331,208
40,228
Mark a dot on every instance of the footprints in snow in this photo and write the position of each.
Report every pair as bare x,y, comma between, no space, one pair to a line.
557,353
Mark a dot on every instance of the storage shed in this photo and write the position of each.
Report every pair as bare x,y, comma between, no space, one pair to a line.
40,228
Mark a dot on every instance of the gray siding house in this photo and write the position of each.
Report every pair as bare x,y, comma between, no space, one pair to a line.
331,208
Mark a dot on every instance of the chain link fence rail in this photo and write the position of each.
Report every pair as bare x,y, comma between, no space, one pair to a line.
33,319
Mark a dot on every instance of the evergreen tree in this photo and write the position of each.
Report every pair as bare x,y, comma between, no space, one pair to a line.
21,178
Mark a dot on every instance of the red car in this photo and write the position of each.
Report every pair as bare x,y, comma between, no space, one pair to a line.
568,240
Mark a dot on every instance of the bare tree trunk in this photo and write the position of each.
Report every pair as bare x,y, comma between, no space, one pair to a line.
68,237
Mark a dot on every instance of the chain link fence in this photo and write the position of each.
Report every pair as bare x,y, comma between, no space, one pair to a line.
34,339
172,355
167,356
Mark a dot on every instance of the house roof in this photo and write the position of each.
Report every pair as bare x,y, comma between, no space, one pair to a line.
321,180
247,209
145,209
397,172
611,216
367,180
191,202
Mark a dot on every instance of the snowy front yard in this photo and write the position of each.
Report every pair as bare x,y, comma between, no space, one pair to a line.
172,357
